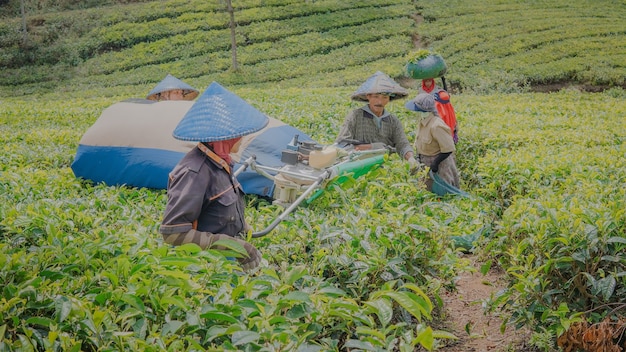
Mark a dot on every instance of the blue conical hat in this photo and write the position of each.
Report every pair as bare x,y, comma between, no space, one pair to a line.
170,83
380,83
219,115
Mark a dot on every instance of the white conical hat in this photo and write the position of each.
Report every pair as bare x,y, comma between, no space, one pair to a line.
382,84
171,83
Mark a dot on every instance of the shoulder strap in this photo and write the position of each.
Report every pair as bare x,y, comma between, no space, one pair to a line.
208,152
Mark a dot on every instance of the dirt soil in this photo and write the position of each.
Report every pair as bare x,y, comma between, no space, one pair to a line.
464,311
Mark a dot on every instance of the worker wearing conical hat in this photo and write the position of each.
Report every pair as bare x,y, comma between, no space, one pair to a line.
372,126
172,88
205,201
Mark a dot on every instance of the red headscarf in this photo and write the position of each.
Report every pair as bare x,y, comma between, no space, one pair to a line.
431,86
445,109
223,148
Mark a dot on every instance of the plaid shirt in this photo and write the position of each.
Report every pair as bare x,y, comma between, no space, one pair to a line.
361,126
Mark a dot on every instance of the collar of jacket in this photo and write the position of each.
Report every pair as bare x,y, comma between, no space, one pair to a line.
208,152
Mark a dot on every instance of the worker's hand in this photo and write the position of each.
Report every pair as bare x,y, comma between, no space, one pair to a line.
414,165
250,260
363,147
434,168
253,260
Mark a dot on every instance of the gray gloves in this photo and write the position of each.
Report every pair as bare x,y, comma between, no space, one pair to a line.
414,165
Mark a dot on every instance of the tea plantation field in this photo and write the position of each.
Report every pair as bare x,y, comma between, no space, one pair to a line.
362,267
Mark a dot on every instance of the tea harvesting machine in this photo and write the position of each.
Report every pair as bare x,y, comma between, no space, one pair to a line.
309,168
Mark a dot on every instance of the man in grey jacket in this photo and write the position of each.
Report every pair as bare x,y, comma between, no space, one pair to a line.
372,126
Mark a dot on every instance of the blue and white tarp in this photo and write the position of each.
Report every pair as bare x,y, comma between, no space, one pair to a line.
131,144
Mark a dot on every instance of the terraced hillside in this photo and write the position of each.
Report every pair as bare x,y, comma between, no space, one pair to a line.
277,41
489,46
505,46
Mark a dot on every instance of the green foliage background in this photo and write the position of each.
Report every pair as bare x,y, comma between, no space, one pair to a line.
83,266
488,46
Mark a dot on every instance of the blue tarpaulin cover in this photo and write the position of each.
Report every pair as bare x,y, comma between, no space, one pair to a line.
131,144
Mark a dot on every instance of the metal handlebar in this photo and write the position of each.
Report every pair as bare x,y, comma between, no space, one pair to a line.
248,162
293,205
356,160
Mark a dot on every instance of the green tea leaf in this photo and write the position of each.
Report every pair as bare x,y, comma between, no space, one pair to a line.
244,337
62,307
218,316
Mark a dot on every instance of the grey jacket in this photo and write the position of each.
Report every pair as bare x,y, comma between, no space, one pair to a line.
360,125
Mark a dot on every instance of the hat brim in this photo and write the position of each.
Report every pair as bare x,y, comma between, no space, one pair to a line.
363,96
171,83
188,94
380,83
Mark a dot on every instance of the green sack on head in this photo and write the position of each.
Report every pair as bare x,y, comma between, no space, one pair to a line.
431,66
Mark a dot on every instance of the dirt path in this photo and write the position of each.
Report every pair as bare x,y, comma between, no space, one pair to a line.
465,306
465,312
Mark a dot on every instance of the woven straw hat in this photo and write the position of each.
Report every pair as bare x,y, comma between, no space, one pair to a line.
379,83
219,115
423,102
172,83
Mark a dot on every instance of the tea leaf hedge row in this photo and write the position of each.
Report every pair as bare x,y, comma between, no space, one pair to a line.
526,44
84,266
489,47
217,43
362,266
